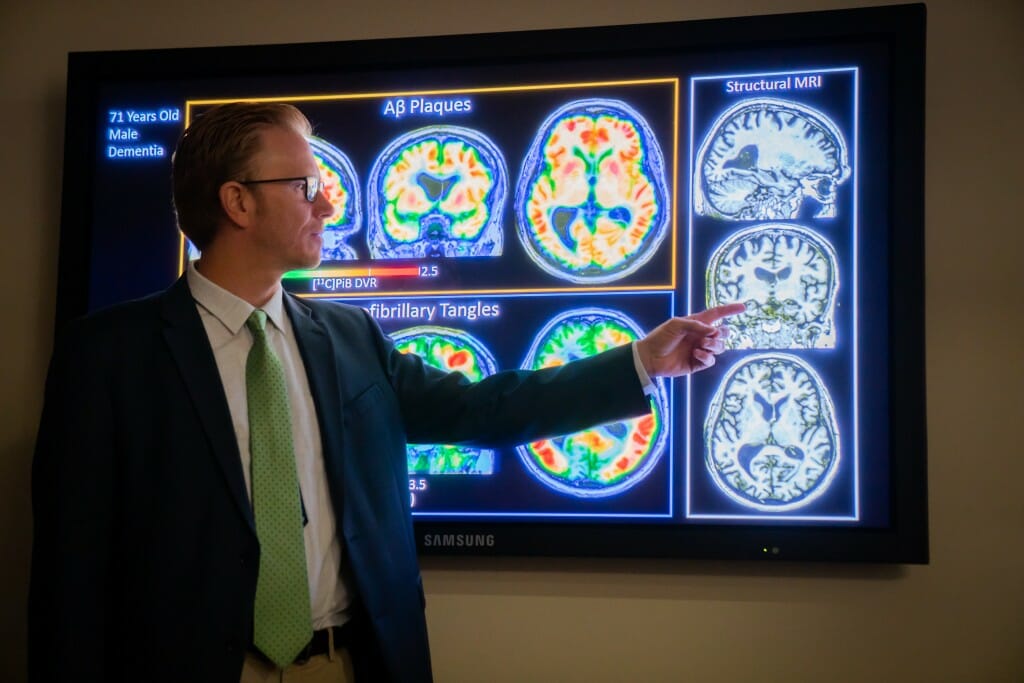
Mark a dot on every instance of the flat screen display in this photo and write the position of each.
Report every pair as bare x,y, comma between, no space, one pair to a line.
524,200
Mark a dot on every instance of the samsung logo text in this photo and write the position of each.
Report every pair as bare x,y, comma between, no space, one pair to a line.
458,541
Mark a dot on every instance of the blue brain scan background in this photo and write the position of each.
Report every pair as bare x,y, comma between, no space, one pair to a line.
608,459
764,157
341,187
787,276
592,202
450,350
437,191
771,437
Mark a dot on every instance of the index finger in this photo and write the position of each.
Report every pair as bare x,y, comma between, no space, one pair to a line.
718,312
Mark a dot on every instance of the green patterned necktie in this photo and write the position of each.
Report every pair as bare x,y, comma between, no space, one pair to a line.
283,624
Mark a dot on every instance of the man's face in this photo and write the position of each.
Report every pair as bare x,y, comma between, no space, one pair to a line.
288,230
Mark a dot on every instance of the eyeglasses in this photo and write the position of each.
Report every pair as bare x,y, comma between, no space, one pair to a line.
313,184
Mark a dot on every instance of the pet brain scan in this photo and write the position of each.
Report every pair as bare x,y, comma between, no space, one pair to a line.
450,350
764,157
787,277
608,459
771,437
437,191
592,201
341,188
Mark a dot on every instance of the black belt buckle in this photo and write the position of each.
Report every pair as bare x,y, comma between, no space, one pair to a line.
320,643
317,645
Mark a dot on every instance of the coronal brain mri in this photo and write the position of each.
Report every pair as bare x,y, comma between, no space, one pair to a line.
592,201
437,191
771,437
451,350
787,276
342,189
608,459
763,158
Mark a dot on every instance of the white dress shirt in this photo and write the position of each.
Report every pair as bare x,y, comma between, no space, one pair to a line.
224,316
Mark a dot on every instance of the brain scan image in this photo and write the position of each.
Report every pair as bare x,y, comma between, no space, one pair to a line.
605,460
450,350
787,276
437,191
341,188
592,201
771,438
764,157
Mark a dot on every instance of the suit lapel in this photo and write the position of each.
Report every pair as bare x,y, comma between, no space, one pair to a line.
191,351
318,356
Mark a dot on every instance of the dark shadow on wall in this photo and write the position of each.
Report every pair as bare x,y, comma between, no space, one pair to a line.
652,578
16,541
33,306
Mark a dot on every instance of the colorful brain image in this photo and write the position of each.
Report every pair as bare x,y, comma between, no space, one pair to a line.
592,201
605,460
437,191
788,278
453,351
771,437
763,157
341,188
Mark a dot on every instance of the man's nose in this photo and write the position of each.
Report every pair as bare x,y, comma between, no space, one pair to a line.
322,205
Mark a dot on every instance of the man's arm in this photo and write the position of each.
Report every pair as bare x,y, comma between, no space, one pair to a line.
515,406
72,494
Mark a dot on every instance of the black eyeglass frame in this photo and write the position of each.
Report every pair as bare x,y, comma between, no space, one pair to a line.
313,184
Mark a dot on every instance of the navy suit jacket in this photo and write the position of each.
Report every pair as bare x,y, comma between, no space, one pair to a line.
145,554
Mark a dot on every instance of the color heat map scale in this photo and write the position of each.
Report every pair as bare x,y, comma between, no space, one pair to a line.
341,187
608,459
592,201
437,191
450,350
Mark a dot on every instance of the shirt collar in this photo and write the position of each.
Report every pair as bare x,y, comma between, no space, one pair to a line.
229,309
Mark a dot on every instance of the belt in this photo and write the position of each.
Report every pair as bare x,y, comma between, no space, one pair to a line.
320,643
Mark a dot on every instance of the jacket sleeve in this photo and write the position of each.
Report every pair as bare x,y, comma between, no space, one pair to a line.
73,481
513,406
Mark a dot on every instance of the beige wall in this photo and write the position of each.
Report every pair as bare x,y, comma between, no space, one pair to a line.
959,619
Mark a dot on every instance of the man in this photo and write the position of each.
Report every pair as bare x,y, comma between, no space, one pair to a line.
163,550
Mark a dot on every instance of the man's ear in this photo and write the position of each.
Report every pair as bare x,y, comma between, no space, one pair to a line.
237,203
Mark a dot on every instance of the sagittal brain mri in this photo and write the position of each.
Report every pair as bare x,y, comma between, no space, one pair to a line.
771,437
451,350
787,276
764,158
592,201
608,459
341,187
437,191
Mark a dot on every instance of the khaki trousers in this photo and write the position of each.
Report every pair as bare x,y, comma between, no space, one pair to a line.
333,667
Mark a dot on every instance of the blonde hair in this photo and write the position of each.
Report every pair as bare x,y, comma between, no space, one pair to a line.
219,146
